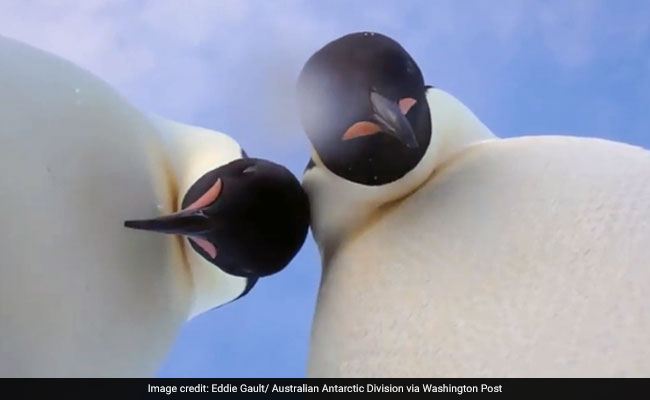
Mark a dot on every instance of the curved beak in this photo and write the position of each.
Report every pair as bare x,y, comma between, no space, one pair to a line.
186,222
389,116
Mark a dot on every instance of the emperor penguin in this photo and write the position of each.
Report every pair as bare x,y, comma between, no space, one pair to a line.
119,226
449,251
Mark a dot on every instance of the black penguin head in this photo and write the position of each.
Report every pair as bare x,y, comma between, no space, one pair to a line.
249,217
363,106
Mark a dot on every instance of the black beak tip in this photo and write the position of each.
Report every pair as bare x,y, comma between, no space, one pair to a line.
130,224
407,137
146,225
412,144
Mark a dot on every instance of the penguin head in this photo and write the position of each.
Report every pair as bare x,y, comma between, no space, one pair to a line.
248,217
377,131
363,105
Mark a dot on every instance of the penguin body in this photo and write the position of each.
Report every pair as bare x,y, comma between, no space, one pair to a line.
81,295
471,255
491,270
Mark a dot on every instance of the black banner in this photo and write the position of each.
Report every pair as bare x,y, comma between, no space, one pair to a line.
205,388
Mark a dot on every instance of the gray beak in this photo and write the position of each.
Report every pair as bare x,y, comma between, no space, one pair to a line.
389,116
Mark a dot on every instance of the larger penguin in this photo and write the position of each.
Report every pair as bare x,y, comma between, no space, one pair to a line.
450,252
82,292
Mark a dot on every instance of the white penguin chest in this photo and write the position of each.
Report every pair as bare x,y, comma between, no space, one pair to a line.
521,257
80,295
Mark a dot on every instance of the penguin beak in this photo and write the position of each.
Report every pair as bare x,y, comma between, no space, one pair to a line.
191,222
390,117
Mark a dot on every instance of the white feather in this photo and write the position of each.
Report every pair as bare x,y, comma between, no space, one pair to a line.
80,295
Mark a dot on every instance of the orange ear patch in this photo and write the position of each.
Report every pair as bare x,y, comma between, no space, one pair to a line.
205,245
361,128
208,197
406,103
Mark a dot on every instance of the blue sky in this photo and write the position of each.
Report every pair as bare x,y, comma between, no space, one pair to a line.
524,67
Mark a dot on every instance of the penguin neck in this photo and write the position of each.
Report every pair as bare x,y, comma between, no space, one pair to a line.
342,209
454,127
191,152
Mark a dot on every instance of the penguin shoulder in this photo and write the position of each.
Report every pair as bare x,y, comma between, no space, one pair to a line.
193,150
514,174
570,202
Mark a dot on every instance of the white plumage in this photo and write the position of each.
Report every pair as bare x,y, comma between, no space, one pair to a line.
80,295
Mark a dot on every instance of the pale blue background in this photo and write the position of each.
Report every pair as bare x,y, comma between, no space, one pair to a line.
524,67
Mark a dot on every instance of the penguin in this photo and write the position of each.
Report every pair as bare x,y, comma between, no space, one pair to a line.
449,251
119,226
